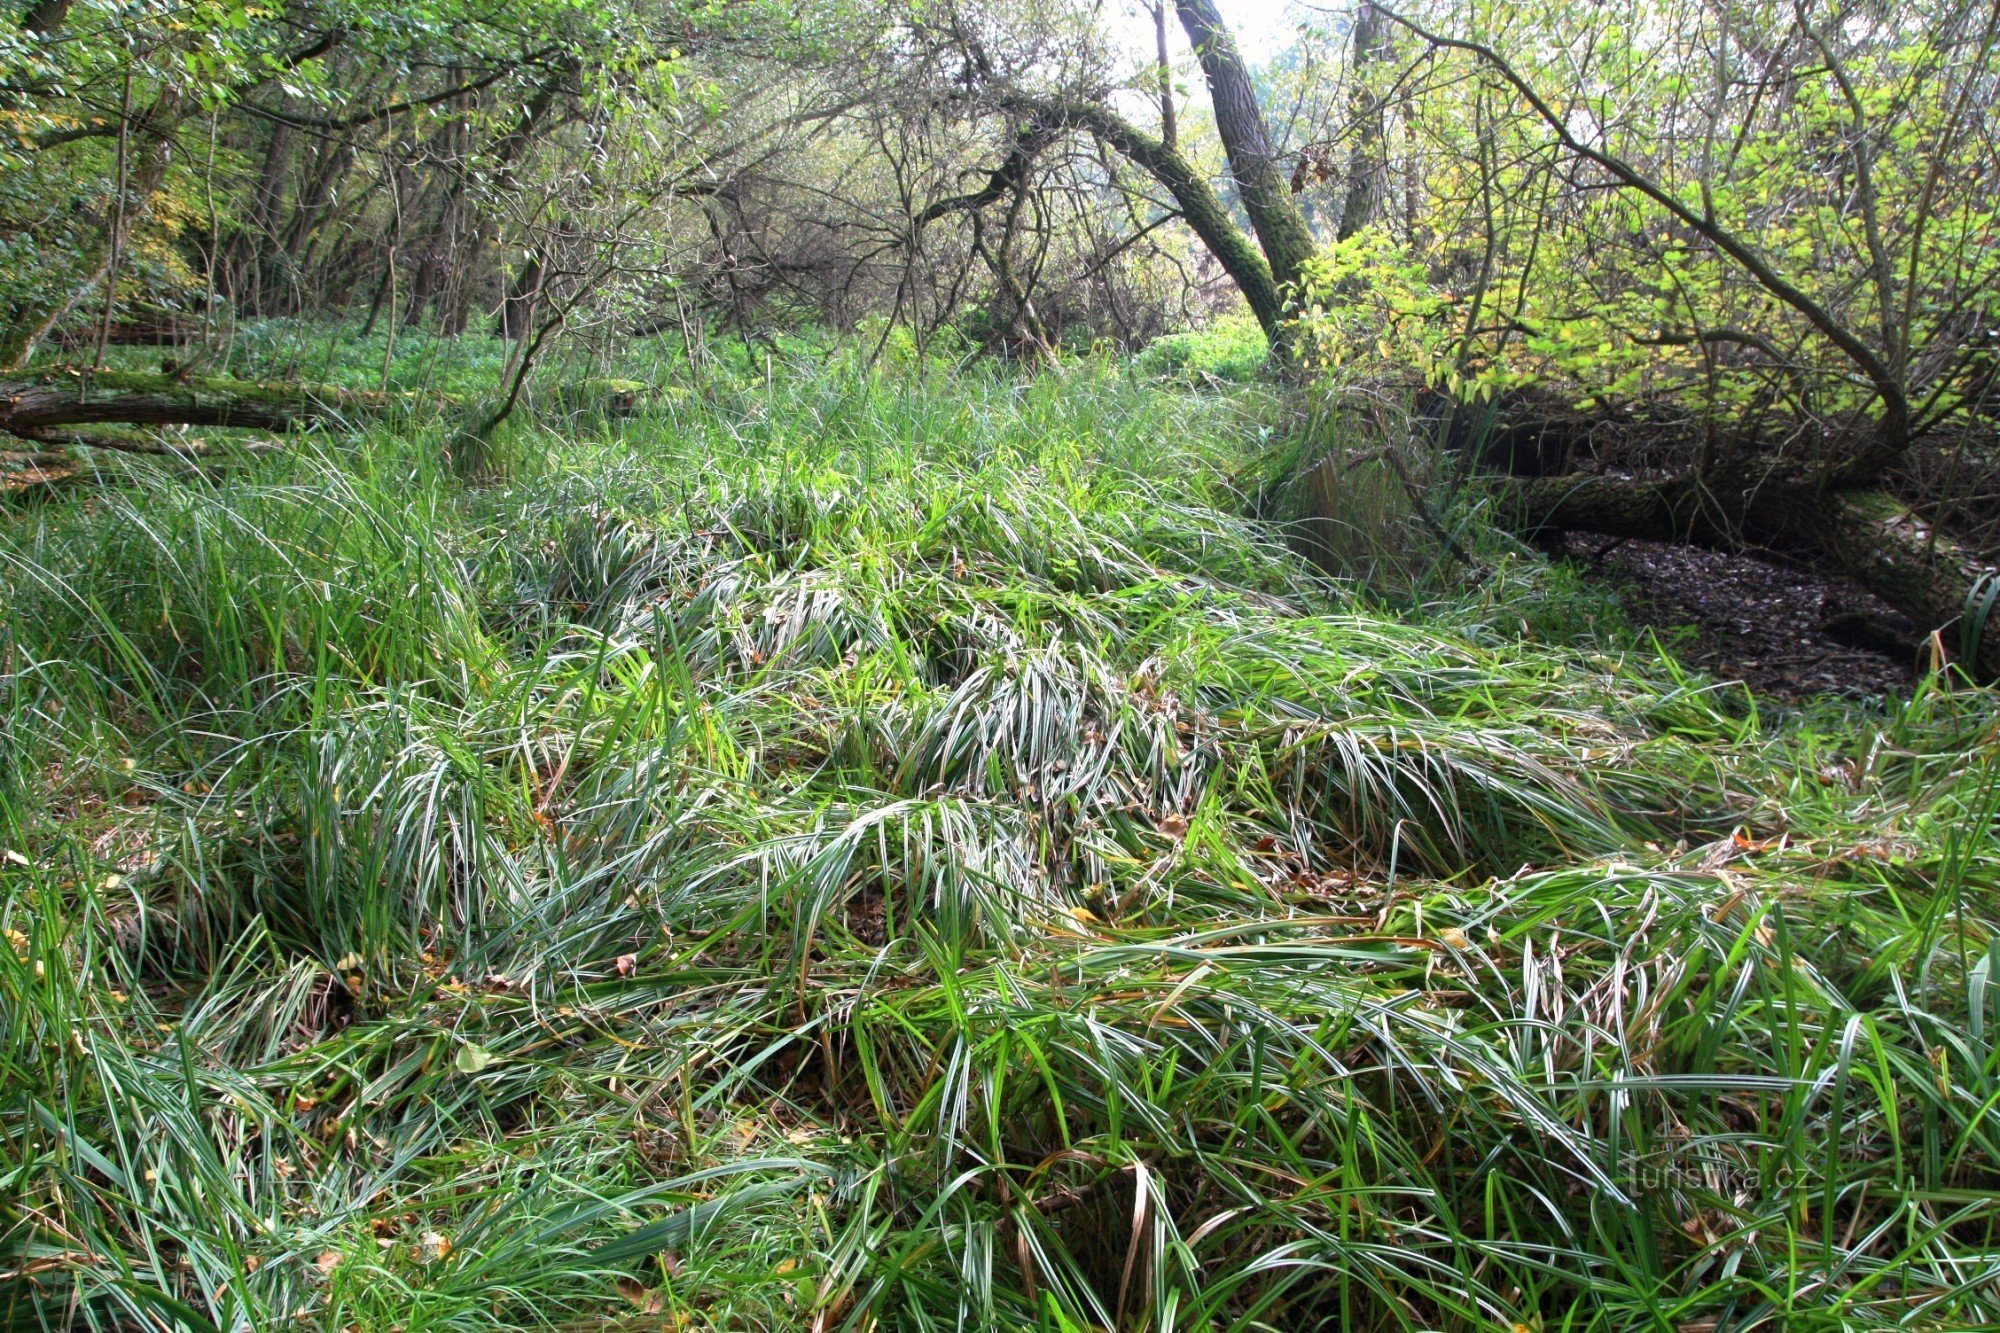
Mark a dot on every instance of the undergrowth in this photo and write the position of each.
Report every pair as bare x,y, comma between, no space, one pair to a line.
870,850
1230,349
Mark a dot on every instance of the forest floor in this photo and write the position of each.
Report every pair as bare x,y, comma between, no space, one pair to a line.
1761,620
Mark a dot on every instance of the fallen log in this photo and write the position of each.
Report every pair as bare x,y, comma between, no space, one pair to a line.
32,406
251,442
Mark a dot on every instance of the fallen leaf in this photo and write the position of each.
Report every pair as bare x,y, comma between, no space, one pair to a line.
643,1298
472,1058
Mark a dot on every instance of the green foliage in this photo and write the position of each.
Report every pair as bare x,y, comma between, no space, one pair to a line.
124,125
1374,301
1231,348
896,847
1847,149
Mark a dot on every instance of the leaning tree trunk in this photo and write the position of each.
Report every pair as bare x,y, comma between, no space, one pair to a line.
1202,208
1265,191
1267,270
1865,533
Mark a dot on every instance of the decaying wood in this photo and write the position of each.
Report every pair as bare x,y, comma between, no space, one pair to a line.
42,410
32,406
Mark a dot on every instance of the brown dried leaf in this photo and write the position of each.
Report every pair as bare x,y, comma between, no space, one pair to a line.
643,1298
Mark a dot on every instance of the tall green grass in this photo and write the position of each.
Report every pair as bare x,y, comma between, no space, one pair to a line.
897,848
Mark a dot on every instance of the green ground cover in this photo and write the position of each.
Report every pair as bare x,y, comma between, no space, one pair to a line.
901,848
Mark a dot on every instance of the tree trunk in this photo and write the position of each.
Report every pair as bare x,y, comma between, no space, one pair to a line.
1264,190
1169,119
292,258
46,17
506,156
35,409
1266,270
260,235
1866,534
1367,161
517,312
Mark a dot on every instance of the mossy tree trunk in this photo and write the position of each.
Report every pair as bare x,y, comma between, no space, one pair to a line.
1266,267
32,407
1265,191
1199,204
39,410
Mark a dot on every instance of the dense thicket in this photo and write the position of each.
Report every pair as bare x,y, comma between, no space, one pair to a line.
511,165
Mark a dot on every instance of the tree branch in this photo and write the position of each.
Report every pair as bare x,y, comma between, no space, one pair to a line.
1893,435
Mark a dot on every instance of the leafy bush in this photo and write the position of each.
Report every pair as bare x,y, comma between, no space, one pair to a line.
1231,348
